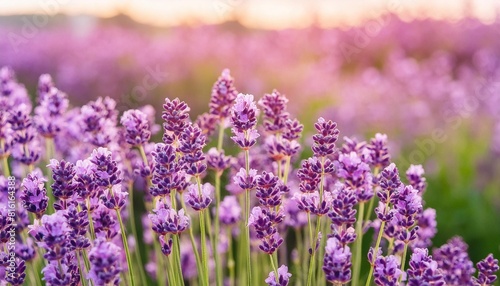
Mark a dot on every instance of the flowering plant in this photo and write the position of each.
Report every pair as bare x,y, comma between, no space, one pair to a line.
277,221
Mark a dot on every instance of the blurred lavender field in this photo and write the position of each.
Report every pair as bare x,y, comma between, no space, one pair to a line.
433,87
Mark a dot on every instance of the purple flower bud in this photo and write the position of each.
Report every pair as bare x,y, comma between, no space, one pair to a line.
383,212
105,223
191,143
415,177
167,220
105,263
84,179
229,210
487,269
343,215
208,123
337,262
311,202
176,115
380,156
63,187
98,121
244,113
309,180
45,83
269,244
283,277
293,129
357,175
427,228
386,271
270,190
423,270
166,245
136,125
53,235
246,182
390,184
16,274
223,95
275,115
324,140
167,172
245,139
34,194
64,274
78,222
114,198
199,197
105,168
217,160
453,260
48,115
262,220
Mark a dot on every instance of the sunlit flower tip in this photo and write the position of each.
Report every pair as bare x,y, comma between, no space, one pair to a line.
487,269
283,277
245,140
337,262
199,197
275,115
45,83
176,116
246,182
414,174
387,271
105,263
390,184
379,151
229,210
167,220
244,113
223,95
324,140
114,198
454,262
105,167
137,131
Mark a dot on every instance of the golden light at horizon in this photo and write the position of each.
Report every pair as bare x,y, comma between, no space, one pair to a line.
274,14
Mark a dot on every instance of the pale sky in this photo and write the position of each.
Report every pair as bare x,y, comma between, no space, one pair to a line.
272,14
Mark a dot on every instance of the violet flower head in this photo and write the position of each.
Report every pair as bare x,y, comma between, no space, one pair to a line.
45,83
217,160
246,181
166,245
207,122
63,187
165,220
53,235
223,95
415,178
5,135
105,263
84,179
167,171
78,222
427,228
293,129
380,156
16,271
390,184
229,210
105,222
309,179
343,215
34,194
487,269
283,277
453,260
191,143
114,197
64,273
270,190
356,174
199,199
423,270
386,271
244,120
136,125
275,115
311,202
105,168
351,144
262,220
176,116
98,121
337,262
49,114
324,140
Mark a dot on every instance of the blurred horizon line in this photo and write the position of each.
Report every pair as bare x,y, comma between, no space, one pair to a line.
271,14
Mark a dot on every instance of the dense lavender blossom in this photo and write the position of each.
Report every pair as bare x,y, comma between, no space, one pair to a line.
269,190
244,120
84,179
191,143
114,197
423,270
337,262
16,275
343,215
454,262
105,222
487,269
34,194
387,271
230,210
136,125
264,222
176,115
45,83
283,277
98,121
49,114
25,147
105,168
274,108
223,95
380,156
415,177
217,160
62,273
324,140
104,263
199,197
167,171
427,228
78,222
165,220
356,174
63,187
389,184
53,235
408,207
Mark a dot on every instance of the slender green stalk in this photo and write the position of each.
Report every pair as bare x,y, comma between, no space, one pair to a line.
403,262
193,245
125,245
177,253
82,279
91,221
172,277
230,257
359,245
204,255
159,261
247,215
274,268
372,201
218,266
313,252
377,244
49,152
137,252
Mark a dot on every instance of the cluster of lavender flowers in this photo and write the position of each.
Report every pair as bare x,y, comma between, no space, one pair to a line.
74,220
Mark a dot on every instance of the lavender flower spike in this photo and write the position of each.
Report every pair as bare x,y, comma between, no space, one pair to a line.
34,195
244,120
337,262
105,263
136,125
487,269
387,271
283,277
199,199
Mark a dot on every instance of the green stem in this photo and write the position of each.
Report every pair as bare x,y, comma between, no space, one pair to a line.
177,253
359,245
172,277
49,148
193,245
137,252
161,265
230,258
218,266
274,268
375,252
247,215
91,221
204,256
125,245
82,279
403,261
313,252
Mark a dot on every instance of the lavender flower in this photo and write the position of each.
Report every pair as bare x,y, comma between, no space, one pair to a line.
223,95
78,222
230,210
270,190
453,260
105,168
84,178
53,235
380,156
34,194
167,220
166,245
487,269
105,222
63,187
104,263
389,184
45,83
408,207
217,160
337,262
191,143
283,277
98,121
427,228
324,140
423,270
114,197
343,215
167,171
275,116
200,197
136,125
49,114
415,177
176,115
63,273
244,120
387,271
246,181
16,273
357,176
